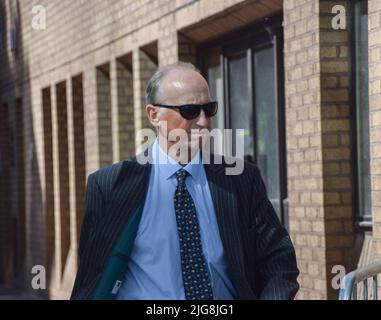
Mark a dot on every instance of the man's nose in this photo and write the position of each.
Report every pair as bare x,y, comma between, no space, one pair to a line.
202,120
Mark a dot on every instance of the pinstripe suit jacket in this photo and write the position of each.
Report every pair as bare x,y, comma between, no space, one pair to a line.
260,256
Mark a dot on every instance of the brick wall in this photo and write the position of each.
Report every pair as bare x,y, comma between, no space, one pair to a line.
5,192
104,129
338,169
374,8
144,66
123,109
320,147
304,144
48,180
77,160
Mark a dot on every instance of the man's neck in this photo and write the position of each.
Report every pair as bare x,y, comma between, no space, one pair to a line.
181,154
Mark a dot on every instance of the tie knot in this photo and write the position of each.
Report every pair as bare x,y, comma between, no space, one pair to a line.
181,176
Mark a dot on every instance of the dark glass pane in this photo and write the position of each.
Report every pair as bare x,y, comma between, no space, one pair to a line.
267,121
217,93
216,86
362,108
240,109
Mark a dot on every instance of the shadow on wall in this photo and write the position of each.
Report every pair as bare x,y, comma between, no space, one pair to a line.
21,201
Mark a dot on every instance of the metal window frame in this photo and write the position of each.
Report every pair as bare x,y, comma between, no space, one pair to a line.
361,224
268,32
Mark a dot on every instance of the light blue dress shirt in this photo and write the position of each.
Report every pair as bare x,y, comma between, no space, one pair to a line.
154,269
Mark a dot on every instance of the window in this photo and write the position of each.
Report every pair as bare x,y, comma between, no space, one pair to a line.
361,86
216,86
241,115
266,118
245,74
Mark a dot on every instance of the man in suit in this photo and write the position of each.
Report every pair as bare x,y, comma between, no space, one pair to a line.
181,228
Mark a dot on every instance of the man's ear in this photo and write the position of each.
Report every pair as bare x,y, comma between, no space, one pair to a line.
153,114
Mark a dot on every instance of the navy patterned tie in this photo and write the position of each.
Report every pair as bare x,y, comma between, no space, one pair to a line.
195,274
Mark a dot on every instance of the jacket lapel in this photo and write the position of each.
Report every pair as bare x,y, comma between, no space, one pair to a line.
128,193
225,199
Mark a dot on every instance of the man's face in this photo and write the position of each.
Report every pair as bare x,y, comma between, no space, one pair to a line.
181,87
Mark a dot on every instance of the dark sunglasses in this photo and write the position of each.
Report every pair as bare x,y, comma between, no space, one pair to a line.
192,111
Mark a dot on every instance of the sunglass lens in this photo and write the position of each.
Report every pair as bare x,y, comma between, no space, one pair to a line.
210,109
190,112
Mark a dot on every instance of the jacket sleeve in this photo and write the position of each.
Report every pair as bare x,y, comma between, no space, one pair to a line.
94,203
275,255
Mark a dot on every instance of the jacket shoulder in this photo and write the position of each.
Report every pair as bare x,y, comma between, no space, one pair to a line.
106,177
250,169
106,173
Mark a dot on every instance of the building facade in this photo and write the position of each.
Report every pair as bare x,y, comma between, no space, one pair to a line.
301,77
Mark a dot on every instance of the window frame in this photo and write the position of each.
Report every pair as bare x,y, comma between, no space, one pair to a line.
363,222
266,33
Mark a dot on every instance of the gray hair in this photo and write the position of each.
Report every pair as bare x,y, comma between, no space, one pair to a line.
153,83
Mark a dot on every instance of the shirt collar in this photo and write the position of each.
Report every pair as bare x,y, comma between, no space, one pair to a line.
168,166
